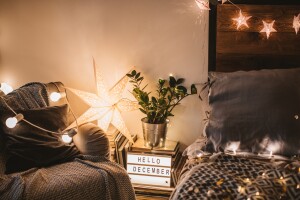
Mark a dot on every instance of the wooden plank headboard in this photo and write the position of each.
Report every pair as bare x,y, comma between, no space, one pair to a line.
247,49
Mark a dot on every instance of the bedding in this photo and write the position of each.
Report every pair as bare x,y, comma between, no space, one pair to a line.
255,111
252,144
224,176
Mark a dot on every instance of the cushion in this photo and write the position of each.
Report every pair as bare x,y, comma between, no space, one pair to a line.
92,140
256,111
31,147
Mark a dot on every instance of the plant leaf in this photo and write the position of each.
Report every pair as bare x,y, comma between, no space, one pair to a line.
172,81
143,111
179,81
137,75
193,89
182,89
133,73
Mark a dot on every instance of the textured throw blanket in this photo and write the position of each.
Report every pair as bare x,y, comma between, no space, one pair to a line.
90,178
81,179
237,177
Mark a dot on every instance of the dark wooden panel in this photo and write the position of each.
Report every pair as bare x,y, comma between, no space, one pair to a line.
212,38
267,2
283,15
247,49
251,42
235,62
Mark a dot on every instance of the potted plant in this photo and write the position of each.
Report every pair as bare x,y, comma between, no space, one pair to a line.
158,108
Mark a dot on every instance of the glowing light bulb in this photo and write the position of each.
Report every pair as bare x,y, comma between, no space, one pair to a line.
11,122
271,153
66,139
55,96
170,74
67,136
199,155
5,88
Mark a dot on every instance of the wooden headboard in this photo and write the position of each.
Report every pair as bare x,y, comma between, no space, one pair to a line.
247,49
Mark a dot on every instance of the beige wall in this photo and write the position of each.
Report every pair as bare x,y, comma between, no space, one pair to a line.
55,40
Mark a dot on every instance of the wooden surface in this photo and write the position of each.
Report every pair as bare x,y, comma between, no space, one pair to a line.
145,197
247,48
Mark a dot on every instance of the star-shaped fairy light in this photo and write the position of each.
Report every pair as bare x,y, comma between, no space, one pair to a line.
202,4
296,23
268,28
241,20
106,106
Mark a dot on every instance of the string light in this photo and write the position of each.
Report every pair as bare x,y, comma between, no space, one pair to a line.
268,28
5,88
241,20
296,23
55,96
11,122
202,4
66,135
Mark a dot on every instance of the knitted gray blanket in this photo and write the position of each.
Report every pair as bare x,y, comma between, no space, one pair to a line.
88,178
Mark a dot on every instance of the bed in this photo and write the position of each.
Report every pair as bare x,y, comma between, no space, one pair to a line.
251,145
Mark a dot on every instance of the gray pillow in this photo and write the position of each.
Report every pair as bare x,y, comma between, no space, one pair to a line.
91,140
260,110
29,147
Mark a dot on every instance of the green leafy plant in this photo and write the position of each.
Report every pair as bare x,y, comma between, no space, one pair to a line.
169,94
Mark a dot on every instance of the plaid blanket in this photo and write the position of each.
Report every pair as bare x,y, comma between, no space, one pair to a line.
236,177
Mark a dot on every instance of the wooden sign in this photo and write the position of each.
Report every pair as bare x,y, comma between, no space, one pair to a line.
154,160
149,169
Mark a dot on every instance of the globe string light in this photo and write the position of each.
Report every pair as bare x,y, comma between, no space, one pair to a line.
67,134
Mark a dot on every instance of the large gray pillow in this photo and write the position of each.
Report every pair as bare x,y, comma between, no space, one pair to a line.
258,109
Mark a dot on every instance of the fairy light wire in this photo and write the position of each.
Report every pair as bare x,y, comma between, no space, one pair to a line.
68,102
38,127
234,4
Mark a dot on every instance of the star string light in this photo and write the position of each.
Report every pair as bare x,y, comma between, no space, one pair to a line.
202,4
268,28
296,23
106,106
224,1
241,20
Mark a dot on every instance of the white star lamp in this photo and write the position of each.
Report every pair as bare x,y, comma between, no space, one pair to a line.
268,28
107,105
296,23
241,20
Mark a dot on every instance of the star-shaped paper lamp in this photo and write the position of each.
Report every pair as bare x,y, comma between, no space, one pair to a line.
241,20
224,1
268,28
296,23
106,106
202,4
